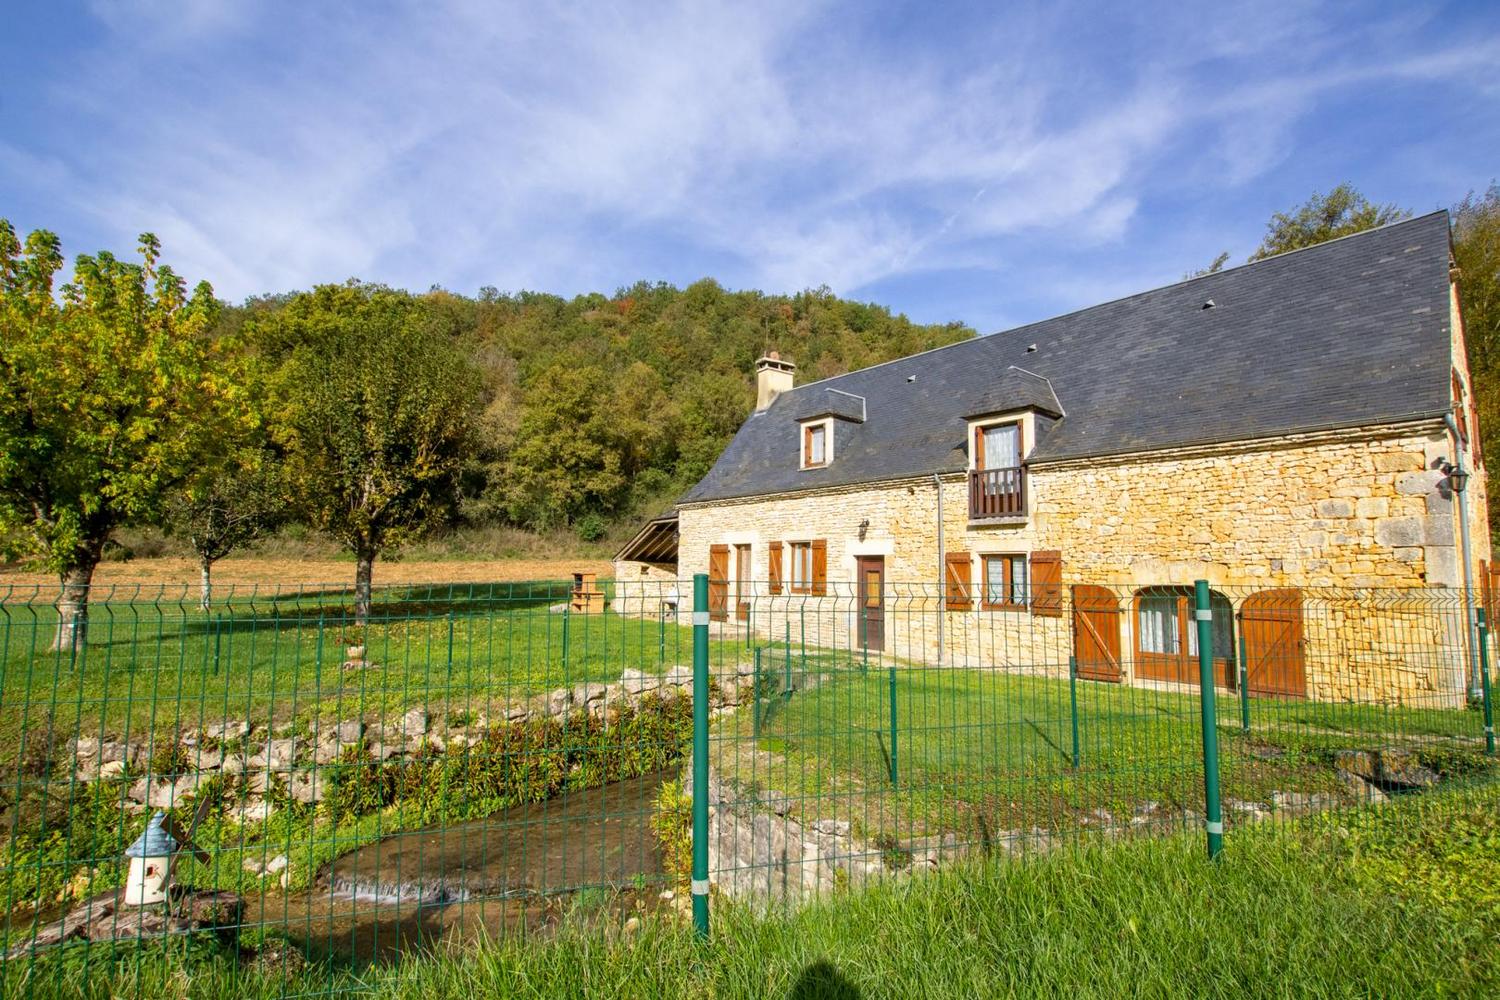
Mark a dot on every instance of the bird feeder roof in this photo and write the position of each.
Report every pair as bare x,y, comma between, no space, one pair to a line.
154,842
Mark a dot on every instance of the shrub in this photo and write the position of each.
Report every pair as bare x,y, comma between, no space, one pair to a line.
357,784
590,527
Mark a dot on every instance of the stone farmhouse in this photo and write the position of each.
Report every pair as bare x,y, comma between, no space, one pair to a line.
1287,429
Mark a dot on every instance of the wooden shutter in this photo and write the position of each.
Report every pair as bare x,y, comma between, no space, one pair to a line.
958,592
1046,584
774,567
819,567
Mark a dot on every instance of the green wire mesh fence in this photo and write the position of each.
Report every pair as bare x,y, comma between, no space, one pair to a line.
276,779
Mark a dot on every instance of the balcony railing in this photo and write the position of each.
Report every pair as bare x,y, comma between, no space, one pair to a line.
997,493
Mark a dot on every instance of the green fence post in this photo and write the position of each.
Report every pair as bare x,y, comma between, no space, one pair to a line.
894,770
1484,682
786,689
450,650
1244,678
755,695
566,609
218,631
1214,819
1073,703
700,754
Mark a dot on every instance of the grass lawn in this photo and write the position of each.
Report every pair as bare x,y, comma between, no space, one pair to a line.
1402,904
988,749
155,667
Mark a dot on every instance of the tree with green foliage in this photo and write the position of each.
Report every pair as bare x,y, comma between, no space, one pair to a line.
112,392
375,405
1321,218
230,503
1476,250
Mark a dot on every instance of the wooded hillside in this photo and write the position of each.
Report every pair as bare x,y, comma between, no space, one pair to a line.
600,407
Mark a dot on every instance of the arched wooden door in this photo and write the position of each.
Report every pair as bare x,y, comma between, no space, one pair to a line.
1096,632
1271,621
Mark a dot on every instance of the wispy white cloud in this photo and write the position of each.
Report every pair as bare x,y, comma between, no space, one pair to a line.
569,147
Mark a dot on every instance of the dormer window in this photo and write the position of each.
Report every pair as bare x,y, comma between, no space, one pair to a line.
817,444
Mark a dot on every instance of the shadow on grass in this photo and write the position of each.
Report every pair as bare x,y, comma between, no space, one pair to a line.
821,981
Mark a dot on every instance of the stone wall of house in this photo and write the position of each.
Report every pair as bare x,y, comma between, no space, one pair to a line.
1331,511
647,589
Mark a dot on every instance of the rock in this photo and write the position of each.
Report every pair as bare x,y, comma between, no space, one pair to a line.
832,827
1363,789
233,766
1400,768
1295,802
589,691
84,748
112,770
1357,762
350,731
276,755
517,713
307,786
262,783
256,810
414,722
558,701
1393,531
112,751
678,676
1335,508
227,731
276,864
636,681
327,752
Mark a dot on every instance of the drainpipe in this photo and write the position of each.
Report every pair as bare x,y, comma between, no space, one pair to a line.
1471,621
941,566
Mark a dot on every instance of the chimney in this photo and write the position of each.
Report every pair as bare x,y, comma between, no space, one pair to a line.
773,376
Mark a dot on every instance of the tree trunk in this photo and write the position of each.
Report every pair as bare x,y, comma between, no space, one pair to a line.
363,569
205,583
73,608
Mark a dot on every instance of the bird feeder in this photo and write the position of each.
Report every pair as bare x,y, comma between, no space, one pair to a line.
150,864
153,856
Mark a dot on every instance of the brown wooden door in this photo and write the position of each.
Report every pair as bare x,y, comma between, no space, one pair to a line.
871,574
718,582
742,583
1272,624
1096,633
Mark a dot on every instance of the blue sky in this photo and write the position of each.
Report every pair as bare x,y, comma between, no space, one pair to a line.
993,163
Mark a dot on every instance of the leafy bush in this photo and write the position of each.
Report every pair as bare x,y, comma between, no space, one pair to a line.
538,759
590,527
672,823
357,784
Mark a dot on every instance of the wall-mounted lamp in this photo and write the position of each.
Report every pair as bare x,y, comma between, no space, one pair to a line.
864,526
1457,478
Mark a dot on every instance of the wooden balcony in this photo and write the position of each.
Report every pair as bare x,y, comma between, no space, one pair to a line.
996,494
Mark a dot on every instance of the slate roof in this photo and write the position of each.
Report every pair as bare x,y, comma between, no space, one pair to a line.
1344,334
829,403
